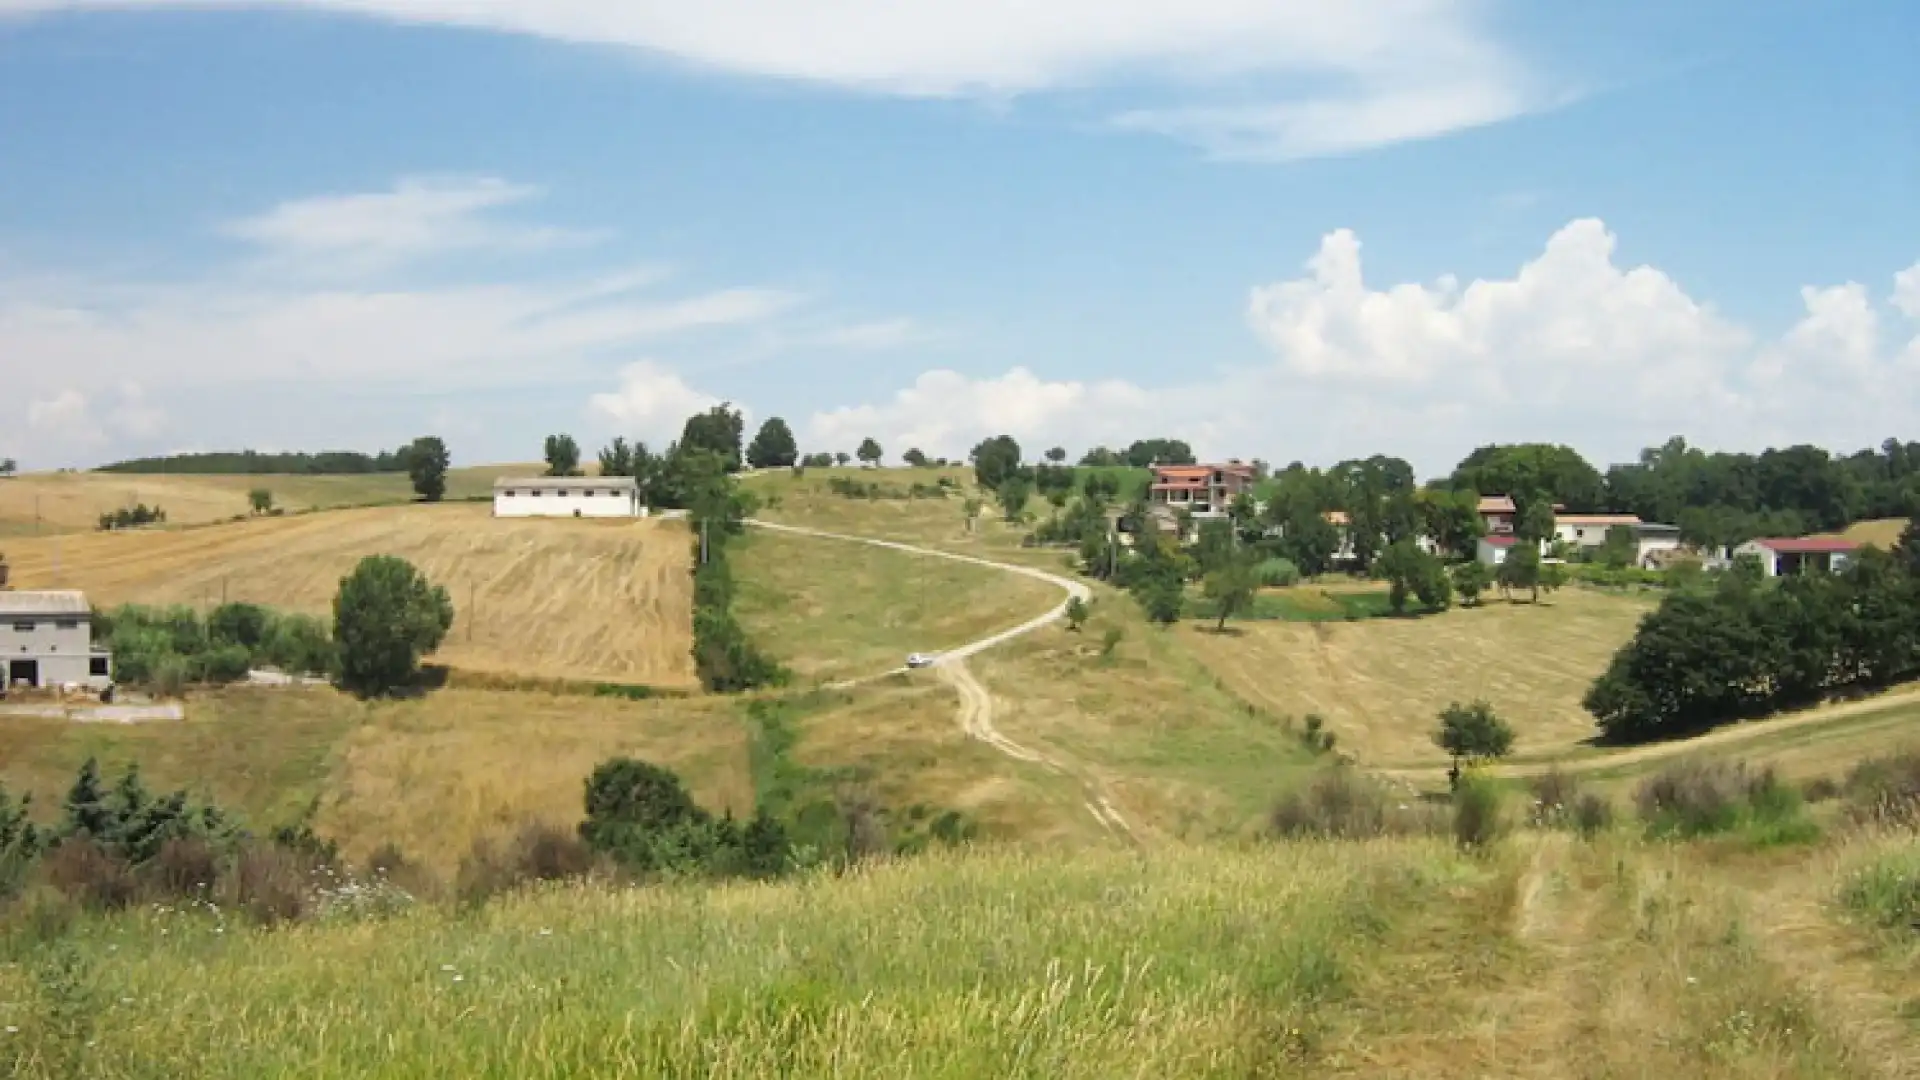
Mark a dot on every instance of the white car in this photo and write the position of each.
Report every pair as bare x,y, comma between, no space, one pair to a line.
915,660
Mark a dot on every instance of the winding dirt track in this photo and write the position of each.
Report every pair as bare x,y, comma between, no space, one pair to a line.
976,701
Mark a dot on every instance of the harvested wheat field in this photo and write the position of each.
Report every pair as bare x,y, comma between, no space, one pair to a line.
1380,683
73,502
597,600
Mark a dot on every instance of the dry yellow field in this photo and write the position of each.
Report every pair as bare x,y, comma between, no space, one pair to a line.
1881,533
431,775
73,502
1380,683
553,599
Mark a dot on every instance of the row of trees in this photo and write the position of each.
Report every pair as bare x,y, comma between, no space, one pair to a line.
1749,646
250,462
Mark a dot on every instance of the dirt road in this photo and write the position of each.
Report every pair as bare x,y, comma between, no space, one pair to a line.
976,702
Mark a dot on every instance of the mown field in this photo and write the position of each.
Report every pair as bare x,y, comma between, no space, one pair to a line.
567,599
430,775
73,502
1380,683
1545,957
834,610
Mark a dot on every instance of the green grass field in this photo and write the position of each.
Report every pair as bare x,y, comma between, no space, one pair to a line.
1545,957
834,610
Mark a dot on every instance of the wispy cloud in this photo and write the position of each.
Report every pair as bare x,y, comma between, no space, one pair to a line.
875,336
1326,77
419,217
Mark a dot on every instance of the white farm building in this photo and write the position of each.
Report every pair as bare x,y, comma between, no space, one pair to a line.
49,641
567,496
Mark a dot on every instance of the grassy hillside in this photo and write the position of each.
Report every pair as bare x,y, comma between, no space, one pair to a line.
430,775
1881,533
73,502
1380,683
1547,957
560,599
833,610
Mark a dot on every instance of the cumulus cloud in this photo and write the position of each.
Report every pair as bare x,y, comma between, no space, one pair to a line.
651,402
1906,291
71,420
1308,76
1574,347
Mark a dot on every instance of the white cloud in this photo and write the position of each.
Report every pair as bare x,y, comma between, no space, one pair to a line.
1313,76
248,350
1906,291
419,217
945,413
64,412
1573,348
651,402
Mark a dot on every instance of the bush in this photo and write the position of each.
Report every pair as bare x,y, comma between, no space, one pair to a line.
1885,790
1276,573
1886,891
245,625
89,875
1343,804
1592,814
1705,797
225,664
1477,817
271,884
538,852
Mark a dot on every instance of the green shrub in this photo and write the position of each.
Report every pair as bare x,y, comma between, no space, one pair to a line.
1478,819
225,664
1276,573
1592,814
1700,798
1885,789
1886,891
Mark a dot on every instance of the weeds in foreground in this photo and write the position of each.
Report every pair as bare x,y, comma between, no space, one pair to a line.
1702,798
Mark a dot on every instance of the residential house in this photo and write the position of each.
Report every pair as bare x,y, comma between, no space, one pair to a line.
48,641
1497,513
1589,531
568,496
1493,549
1203,490
1796,555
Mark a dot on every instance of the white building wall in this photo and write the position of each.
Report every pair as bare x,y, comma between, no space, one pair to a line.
1652,544
523,502
60,648
1493,554
1769,561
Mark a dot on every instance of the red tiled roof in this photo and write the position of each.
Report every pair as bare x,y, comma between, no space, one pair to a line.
1336,517
1496,504
1807,545
1499,541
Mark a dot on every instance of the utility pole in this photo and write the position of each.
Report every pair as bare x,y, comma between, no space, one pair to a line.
470,611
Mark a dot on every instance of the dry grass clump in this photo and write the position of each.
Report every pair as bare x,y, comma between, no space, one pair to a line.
1885,789
1343,803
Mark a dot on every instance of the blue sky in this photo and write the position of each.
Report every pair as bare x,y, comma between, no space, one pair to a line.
1279,229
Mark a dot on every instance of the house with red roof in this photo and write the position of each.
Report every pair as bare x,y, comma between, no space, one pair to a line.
1799,555
1202,490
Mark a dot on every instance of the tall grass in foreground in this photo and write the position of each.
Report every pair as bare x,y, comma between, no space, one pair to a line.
1188,963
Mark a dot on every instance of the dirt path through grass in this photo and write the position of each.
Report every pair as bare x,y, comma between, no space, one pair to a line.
976,702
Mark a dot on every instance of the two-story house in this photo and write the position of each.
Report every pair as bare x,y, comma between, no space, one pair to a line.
1203,490
46,640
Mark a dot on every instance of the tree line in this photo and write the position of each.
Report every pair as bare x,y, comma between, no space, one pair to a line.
250,462
1747,646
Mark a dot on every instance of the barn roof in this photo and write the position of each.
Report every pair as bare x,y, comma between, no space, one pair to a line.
566,483
44,602
1497,541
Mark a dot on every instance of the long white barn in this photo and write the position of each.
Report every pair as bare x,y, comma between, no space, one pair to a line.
567,496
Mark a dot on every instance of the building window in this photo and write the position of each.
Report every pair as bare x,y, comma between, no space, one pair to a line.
67,624
97,666
534,493
23,627
589,492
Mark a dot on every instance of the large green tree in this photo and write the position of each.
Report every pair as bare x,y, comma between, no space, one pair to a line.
427,462
773,446
385,617
718,430
868,451
1558,471
562,455
994,460
1231,586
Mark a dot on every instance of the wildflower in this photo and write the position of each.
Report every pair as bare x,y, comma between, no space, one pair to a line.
446,967
546,932
11,1030
459,978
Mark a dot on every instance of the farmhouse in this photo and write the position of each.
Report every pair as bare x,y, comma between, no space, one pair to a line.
48,641
1799,555
1590,531
1203,490
1493,550
567,496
